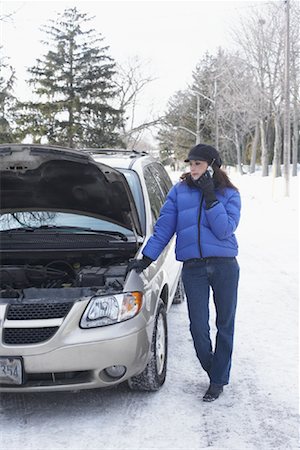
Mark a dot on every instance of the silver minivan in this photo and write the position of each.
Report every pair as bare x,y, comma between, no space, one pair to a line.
71,316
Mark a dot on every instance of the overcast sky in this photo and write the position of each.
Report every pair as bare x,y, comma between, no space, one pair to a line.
170,36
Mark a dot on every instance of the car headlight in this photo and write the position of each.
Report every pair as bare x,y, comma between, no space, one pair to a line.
111,309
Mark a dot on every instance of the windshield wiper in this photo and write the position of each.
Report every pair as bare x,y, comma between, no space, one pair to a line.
109,234
18,229
113,234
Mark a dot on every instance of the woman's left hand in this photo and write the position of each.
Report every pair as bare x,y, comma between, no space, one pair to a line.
206,184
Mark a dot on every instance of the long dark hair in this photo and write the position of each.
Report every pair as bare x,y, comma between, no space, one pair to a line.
220,177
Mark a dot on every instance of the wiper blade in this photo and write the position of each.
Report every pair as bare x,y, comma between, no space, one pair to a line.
18,229
113,234
45,227
108,234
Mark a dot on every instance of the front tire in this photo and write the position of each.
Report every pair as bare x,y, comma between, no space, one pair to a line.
154,375
179,296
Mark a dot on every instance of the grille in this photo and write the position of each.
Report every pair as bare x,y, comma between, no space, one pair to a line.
60,378
27,335
30,311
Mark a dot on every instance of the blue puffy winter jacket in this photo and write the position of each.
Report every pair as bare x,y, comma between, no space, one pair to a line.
200,232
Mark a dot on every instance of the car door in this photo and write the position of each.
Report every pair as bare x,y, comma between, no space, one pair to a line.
158,185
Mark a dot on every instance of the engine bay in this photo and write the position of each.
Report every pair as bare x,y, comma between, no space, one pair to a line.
61,274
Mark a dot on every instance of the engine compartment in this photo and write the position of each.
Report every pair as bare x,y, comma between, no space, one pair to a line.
62,274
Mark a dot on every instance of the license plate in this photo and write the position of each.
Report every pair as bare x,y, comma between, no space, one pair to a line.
11,370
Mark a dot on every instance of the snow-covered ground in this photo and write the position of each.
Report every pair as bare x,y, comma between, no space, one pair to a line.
258,410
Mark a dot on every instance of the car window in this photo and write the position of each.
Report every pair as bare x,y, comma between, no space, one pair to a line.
156,196
133,181
161,177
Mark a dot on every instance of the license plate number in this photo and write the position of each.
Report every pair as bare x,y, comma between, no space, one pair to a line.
11,371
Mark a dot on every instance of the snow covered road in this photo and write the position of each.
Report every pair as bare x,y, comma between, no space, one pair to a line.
258,410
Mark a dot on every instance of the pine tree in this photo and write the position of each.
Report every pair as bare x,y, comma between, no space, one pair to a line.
174,140
74,86
7,101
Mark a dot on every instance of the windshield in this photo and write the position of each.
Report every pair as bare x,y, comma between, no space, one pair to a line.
36,219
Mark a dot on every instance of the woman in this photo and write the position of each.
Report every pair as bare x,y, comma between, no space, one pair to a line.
203,210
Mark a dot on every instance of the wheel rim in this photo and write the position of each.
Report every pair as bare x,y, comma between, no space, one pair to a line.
160,344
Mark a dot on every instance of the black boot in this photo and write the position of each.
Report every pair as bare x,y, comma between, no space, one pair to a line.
213,392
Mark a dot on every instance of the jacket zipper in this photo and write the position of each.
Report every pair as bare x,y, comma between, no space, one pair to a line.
199,218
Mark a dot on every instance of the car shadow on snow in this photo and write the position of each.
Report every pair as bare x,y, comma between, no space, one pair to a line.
66,403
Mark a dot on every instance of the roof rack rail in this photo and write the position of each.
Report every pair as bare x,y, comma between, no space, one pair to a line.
107,151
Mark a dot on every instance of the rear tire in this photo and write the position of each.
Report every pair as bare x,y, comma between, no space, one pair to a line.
179,296
154,375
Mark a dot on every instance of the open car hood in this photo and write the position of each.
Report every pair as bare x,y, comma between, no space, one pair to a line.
42,177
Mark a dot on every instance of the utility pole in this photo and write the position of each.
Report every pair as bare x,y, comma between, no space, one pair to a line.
198,138
216,116
198,94
287,127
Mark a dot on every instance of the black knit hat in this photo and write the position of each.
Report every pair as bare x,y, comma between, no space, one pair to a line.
203,152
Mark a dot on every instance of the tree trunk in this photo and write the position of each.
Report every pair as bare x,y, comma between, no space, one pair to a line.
264,150
277,146
295,138
270,134
238,150
254,148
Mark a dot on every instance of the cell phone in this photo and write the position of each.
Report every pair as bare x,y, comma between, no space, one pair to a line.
210,170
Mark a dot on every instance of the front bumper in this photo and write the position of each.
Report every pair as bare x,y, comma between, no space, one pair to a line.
76,359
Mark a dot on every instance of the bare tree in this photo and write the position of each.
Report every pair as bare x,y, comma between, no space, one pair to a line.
236,100
131,81
7,17
232,116
216,108
260,38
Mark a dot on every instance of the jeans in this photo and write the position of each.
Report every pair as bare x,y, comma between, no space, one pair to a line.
222,275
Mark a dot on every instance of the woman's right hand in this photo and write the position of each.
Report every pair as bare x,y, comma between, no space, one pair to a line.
139,264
